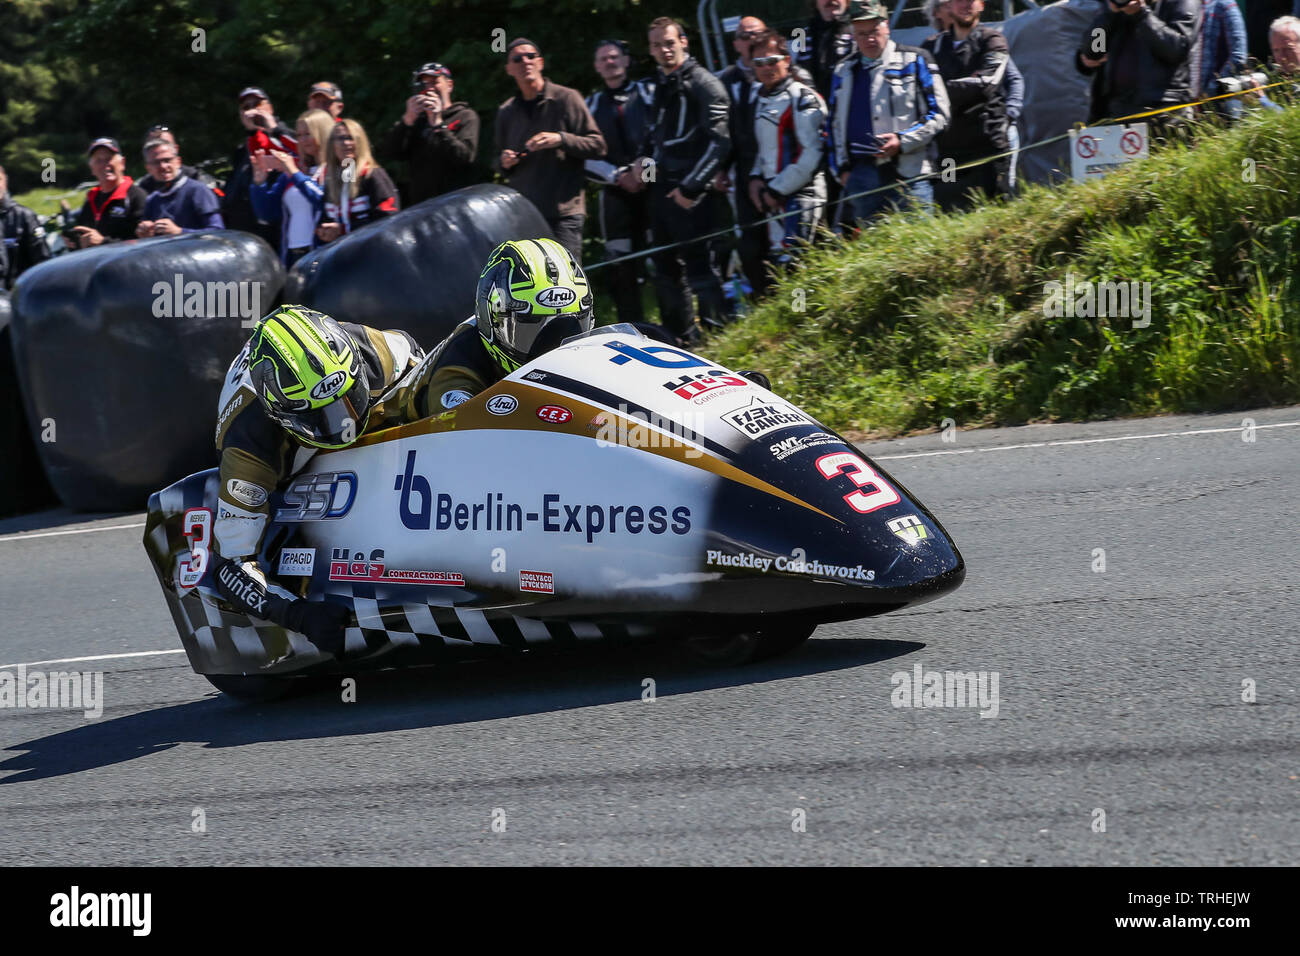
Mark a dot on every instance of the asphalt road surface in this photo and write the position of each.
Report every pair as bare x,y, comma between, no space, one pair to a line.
1120,692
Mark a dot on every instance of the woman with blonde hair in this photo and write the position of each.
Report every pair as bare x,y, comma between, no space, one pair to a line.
296,197
357,190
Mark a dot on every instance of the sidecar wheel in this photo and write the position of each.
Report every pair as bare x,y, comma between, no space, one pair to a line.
734,650
255,688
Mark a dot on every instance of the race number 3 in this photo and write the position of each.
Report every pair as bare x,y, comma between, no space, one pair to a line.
873,491
197,528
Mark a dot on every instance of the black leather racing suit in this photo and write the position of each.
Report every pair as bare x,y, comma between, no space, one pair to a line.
688,141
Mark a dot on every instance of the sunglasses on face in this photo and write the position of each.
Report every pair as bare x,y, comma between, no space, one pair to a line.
520,57
747,34
772,60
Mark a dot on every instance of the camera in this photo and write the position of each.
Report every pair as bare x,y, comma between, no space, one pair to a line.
1235,84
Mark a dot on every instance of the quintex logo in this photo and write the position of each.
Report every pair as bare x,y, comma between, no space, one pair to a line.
179,299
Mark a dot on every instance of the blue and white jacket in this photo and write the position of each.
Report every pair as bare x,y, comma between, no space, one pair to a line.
907,98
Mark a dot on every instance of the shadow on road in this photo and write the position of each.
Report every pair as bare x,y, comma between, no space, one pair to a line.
426,697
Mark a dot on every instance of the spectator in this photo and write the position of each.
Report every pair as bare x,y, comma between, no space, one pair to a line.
296,197
114,205
1284,41
436,136
267,132
828,40
685,148
882,131
148,183
179,204
1220,52
357,190
819,47
1260,16
326,96
543,135
622,113
24,237
789,125
1145,58
742,92
972,60
939,14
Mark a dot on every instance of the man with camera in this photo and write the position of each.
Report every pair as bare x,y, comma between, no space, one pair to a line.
266,133
621,109
437,136
326,96
1138,54
543,137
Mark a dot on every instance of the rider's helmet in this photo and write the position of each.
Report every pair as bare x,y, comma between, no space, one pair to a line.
531,296
310,377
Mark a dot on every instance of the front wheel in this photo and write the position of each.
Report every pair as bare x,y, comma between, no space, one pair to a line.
733,650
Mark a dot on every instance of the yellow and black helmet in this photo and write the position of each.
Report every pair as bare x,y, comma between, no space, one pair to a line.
310,377
531,296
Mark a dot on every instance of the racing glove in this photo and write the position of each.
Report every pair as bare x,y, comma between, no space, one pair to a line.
320,622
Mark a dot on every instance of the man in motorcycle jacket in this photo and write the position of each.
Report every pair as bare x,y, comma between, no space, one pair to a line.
304,382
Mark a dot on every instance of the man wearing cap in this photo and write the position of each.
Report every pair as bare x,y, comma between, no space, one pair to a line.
114,206
326,96
543,135
258,117
24,237
887,106
436,136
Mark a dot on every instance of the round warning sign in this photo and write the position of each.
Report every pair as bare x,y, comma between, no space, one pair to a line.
1086,146
1131,142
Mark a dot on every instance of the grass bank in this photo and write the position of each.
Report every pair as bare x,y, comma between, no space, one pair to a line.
922,319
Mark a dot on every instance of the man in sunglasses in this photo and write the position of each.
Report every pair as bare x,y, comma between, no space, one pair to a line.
148,183
789,119
543,136
437,136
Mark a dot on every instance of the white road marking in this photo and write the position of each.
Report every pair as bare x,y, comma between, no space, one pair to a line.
1078,441
22,536
97,657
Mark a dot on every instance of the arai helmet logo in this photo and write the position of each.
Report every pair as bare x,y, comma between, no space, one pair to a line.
556,297
329,386
502,404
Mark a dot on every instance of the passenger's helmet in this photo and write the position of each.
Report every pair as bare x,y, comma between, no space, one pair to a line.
531,296
310,377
